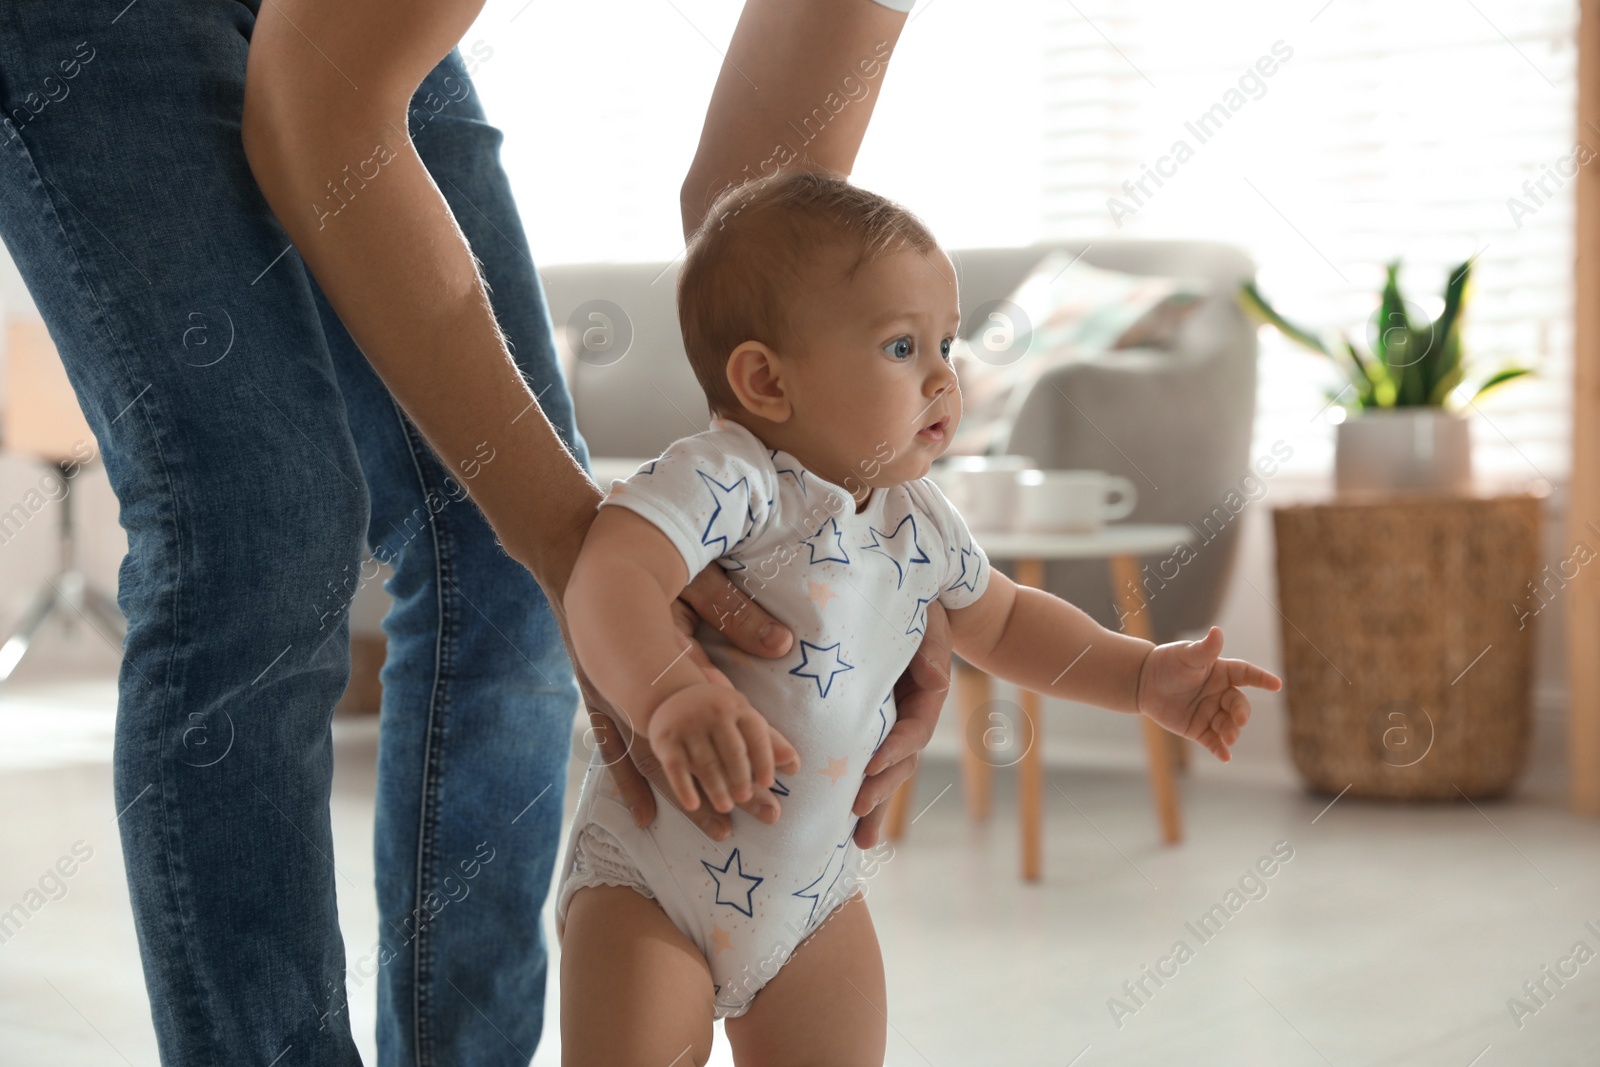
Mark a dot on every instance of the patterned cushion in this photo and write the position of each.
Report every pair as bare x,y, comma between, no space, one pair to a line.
1064,310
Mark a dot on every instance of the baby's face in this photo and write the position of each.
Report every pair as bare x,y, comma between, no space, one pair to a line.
875,398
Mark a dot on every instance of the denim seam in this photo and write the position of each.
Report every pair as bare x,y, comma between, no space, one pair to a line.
422,1038
177,878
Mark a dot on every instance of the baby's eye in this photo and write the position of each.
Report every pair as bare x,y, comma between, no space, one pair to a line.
944,348
899,348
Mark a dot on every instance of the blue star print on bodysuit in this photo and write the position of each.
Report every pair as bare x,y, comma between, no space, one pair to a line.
793,470
733,886
893,546
919,615
971,564
835,863
823,667
883,722
830,540
731,518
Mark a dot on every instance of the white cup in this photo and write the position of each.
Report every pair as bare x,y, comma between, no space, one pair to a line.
982,488
1071,501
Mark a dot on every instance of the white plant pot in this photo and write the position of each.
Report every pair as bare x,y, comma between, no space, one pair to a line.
1403,450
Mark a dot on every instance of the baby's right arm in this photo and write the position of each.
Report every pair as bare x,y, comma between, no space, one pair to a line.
1036,640
618,604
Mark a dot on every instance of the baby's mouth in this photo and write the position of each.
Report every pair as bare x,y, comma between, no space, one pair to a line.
934,431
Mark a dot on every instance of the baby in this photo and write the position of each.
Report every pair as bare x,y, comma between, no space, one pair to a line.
819,319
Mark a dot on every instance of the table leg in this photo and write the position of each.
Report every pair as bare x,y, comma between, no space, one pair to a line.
1158,752
1030,778
972,693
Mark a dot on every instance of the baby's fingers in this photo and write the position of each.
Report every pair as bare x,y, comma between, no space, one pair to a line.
1211,737
708,768
758,743
784,755
1242,672
1226,724
1236,706
735,757
674,761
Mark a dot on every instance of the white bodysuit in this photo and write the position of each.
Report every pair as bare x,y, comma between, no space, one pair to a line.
854,589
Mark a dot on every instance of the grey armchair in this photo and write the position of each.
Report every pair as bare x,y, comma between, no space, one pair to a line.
1176,422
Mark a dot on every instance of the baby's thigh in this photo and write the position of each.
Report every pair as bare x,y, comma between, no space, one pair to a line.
635,992
827,1004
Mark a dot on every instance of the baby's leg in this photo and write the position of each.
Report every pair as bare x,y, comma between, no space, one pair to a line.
635,992
825,1006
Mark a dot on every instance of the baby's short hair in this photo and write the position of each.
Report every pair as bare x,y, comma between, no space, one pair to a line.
755,247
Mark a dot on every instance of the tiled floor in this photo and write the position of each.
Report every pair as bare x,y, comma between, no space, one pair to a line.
1392,936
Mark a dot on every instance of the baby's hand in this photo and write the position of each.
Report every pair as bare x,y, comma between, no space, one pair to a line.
1186,688
712,733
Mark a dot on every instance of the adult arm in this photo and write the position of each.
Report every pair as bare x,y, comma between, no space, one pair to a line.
791,61
327,86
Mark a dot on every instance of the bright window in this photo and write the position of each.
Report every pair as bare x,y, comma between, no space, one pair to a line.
1383,129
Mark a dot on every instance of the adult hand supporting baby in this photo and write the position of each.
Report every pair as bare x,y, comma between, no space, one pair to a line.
715,599
919,697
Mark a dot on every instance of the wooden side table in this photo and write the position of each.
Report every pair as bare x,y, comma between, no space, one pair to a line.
1121,545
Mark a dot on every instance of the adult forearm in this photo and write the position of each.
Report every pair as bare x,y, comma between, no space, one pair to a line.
336,165
800,78
1052,647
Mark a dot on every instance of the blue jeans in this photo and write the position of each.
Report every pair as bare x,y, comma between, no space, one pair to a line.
252,450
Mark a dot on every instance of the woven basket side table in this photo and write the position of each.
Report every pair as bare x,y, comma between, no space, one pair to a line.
1408,642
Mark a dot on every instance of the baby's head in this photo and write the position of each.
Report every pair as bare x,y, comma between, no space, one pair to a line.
820,317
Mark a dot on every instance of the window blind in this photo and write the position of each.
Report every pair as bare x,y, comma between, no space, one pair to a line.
1434,133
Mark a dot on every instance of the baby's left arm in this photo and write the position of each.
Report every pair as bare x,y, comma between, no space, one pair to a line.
1041,642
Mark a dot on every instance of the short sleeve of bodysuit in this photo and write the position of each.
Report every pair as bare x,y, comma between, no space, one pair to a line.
967,567
707,493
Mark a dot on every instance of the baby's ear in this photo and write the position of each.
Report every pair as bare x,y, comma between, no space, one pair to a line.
756,378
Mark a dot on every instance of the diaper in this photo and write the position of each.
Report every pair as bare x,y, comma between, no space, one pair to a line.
597,859
746,902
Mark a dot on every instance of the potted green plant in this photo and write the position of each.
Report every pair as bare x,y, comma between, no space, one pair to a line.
1402,428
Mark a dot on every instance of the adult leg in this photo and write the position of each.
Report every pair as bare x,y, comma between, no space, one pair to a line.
478,695
635,992
196,351
826,1005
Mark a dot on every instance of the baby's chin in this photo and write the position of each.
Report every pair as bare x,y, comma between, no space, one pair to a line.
906,468
924,454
